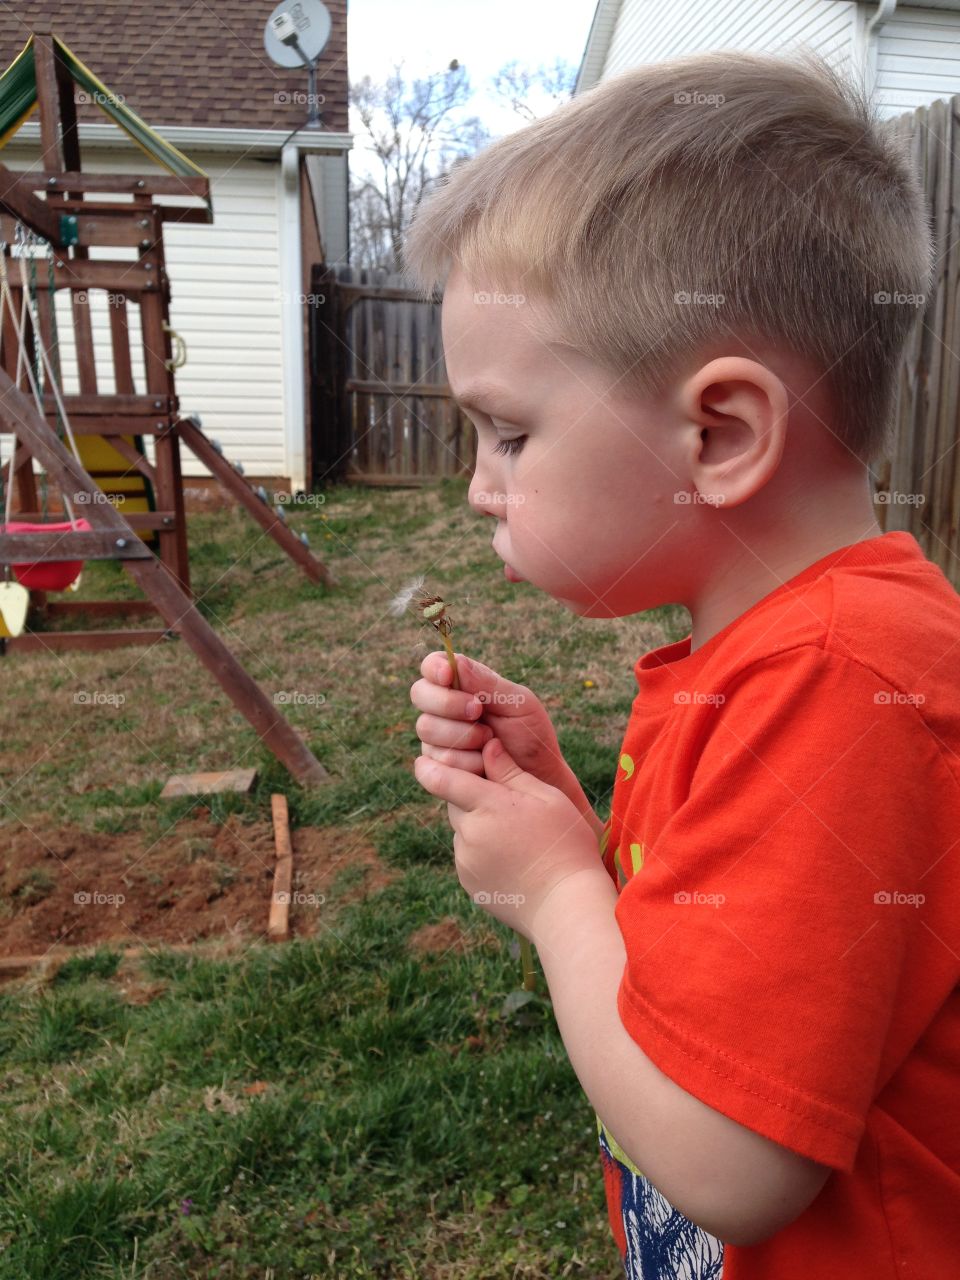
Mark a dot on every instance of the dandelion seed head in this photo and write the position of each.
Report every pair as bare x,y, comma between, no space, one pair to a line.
403,599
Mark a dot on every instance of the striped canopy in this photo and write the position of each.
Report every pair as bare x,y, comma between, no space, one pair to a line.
18,100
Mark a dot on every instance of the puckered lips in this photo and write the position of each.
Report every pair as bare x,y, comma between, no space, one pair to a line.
509,572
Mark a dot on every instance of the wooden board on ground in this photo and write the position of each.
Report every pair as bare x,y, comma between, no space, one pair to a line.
278,925
208,784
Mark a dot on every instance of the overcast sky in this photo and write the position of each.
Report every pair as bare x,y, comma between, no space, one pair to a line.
481,34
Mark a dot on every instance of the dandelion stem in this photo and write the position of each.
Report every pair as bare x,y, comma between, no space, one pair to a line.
432,609
526,964
451,658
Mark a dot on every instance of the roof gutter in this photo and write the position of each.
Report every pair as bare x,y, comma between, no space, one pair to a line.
598,45
251,141
885,11
291,318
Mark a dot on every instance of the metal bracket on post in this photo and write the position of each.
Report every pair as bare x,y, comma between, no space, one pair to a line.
69,229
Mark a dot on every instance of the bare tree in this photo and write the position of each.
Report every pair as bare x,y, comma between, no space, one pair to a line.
416,133
517,85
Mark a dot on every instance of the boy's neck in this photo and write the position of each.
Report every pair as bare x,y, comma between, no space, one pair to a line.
753,567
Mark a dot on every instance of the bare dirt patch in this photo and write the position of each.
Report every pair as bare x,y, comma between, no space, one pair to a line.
68,888
446,935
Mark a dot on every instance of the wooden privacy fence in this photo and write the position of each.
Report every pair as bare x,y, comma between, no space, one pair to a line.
919,485
382,412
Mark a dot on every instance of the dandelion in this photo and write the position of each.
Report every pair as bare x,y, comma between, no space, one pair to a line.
433,610
430,609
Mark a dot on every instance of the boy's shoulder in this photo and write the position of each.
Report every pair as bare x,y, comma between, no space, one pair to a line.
884,607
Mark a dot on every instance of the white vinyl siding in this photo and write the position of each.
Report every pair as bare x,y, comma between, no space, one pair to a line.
225,304
918,59
648,31
917,50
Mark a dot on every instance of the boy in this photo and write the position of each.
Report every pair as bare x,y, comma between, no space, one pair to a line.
667,309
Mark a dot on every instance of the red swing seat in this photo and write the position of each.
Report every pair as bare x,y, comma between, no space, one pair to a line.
54,575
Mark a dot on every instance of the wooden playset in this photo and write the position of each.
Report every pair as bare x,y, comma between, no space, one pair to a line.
116,503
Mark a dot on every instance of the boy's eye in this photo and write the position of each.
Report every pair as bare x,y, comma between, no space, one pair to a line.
509,446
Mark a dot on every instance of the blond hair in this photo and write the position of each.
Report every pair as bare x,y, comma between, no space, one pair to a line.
763,184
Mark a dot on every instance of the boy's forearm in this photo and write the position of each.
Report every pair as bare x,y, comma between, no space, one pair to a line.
570,785
658,1124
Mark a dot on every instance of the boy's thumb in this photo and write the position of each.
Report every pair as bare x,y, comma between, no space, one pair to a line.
499,765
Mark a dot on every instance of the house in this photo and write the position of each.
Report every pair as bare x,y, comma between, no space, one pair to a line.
907,55
201,78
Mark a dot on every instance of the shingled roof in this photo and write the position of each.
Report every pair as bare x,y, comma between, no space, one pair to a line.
198,64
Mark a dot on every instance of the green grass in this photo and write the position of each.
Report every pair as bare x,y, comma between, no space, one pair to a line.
411,1117
114,1115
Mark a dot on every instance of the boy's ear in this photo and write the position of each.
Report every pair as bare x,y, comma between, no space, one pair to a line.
736,413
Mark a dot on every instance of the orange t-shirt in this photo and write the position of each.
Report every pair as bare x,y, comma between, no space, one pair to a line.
785,839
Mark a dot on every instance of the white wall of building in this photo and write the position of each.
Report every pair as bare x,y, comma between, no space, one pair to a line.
918,59
916,52
227,302
653,32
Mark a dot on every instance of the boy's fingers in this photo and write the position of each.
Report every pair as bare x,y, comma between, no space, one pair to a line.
437,701
503,697
441,731
436,667
471,761
457,786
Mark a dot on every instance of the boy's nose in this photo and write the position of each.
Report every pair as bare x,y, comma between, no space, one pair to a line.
483,497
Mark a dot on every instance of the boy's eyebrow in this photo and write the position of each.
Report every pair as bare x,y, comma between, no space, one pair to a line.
485,398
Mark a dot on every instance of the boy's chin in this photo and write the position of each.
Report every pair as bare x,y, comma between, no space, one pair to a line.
606,608
588,609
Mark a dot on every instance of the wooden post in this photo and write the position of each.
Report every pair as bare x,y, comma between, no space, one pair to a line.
200,446
278,927
49,102
19,415
277,734
154,314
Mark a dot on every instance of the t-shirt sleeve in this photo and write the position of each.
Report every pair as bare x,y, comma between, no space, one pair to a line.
768,931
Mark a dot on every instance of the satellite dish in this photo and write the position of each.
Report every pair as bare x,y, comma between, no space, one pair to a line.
293,26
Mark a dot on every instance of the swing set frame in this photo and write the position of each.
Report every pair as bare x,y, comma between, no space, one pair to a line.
72,222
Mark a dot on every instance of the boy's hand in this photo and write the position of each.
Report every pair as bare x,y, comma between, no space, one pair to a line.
456,736
452,735
515,837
